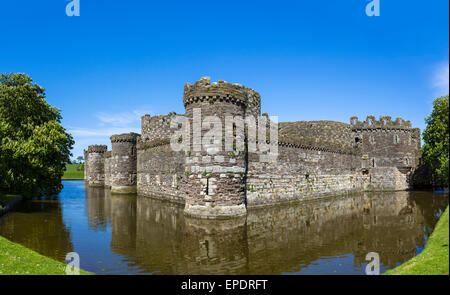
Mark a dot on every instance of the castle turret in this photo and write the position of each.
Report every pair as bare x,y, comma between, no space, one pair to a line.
96,165
123,163
387,143
215,176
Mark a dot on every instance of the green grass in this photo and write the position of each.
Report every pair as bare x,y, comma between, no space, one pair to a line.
19,260
72,172
434,258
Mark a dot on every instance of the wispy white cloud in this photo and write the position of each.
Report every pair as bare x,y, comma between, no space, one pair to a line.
95,132
440,79
103,126
120,119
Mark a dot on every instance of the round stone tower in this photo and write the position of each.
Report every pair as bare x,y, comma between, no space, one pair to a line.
96,165
215,175
123,163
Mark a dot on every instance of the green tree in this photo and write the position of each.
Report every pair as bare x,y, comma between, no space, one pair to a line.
80,159
34,147
436,141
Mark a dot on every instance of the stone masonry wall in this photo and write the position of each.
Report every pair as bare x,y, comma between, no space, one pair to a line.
86,169
160,171
387,179
387,143
326,134
96,165
156,127
215,184
300,174
124,163
108,169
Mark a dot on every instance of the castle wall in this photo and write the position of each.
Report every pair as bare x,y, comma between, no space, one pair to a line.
160,171
301,174
387,179
159,168
387,143
156,127
86,169
317,133
108,169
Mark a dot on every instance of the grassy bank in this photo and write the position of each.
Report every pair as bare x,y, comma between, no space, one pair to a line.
72,172
19,260
16,259
434,258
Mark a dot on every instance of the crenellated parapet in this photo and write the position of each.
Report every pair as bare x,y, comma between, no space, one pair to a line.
100,149
126,137
321,135
385,122
204,91
386,142
156,127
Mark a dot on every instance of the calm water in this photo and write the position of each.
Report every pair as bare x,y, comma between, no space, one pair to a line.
138,235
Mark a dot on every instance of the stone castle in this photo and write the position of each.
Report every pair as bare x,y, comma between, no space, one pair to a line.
315,158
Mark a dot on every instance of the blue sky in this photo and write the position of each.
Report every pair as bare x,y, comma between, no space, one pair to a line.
310,60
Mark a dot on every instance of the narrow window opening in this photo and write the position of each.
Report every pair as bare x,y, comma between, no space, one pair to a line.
396,139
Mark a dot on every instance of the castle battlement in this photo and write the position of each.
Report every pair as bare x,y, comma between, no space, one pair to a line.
97,149
385,122
156,127
203,90
125,137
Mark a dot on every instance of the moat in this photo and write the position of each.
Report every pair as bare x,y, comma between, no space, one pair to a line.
140,235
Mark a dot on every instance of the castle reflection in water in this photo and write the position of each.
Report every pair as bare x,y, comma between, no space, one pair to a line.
155,236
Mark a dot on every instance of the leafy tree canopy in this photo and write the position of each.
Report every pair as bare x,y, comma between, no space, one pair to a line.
34,147
436,141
